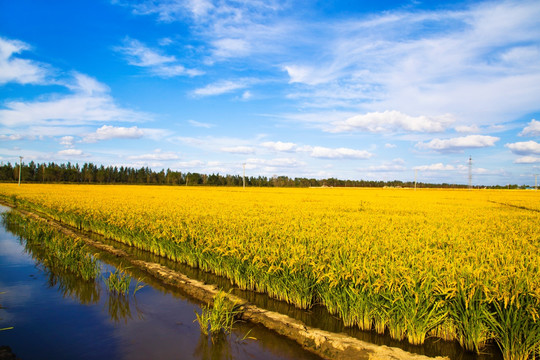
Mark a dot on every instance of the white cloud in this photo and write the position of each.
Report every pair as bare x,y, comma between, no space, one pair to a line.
107,132
396,165
527,160
156,155
231,47
191,164
71,152
139,55
165,41
459,143
435,167
533,129
89,104
273,164
12,137
465,65
460,169
392,121
67,141
84,84
338,153
18,70
307,74
219,88
238,149
279,146
390,146
216,144
246,95
200,124
524,147
467,129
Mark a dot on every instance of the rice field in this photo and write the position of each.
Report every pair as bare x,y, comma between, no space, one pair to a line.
455,264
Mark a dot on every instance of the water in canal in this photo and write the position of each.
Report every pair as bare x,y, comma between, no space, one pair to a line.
57,315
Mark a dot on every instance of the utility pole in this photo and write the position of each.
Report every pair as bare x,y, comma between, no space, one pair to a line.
20,169
244,176
470,172
535,182
415,176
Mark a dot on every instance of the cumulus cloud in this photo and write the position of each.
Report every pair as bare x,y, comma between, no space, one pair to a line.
524,147
533,129
67,141
459,143
14,69
527,160
137,54
238,149
107,132
392,121
279,146
71,152
337,153
90,103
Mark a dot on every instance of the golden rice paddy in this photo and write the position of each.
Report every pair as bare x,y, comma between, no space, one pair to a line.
455,264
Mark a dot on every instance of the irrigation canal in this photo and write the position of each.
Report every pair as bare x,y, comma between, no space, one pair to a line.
57,315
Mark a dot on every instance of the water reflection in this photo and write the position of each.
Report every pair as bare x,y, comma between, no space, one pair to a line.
71,286
70,283
119,307
215,347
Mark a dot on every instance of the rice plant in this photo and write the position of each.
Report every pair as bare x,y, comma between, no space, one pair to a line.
118,282
218,318
517,328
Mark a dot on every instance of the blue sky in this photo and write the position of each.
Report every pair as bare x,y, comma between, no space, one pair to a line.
353,90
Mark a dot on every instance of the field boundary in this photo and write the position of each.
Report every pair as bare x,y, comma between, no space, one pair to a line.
513,206
323,343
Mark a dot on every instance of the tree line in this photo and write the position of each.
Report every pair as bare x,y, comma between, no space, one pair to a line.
93,174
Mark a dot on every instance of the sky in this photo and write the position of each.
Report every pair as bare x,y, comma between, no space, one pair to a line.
384,90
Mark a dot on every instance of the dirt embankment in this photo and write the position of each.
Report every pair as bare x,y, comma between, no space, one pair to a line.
326,344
